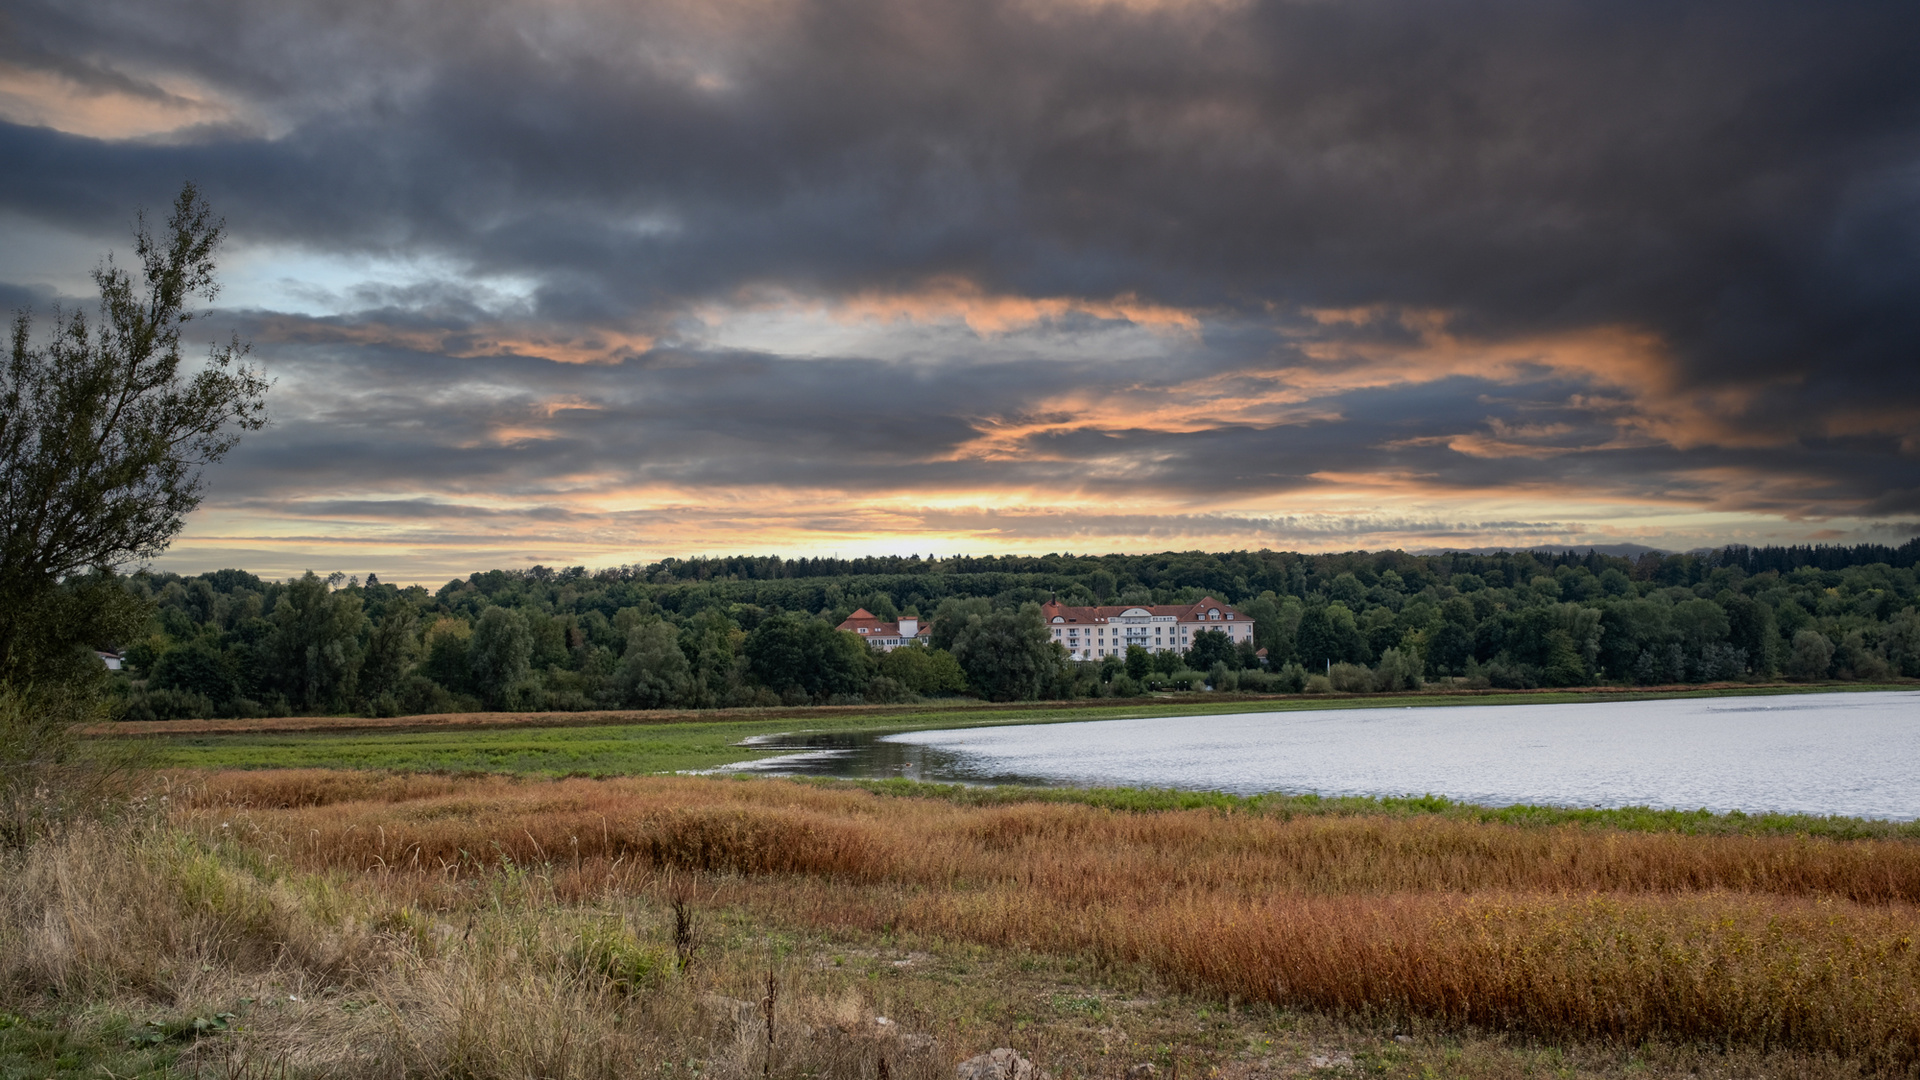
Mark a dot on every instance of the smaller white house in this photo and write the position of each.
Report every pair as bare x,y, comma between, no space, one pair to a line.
111,659
883,635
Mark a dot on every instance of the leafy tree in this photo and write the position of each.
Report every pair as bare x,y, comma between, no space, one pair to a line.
1139,662
1166,661
952,616
923,670
1008,655
1811,655
197,667
1450,648
448,641
1699,623
788,651
1751,626
316,642
392,650
1212,647
654,673
712,643
500,653
102,442
1902,643
1330,633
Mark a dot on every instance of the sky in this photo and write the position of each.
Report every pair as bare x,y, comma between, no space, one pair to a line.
587,283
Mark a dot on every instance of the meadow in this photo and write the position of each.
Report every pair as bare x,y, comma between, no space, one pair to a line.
502,919
363,923
639,742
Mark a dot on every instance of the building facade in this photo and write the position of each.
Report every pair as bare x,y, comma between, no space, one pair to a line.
1094,633
883,635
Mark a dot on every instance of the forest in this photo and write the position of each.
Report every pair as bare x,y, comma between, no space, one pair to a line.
744,631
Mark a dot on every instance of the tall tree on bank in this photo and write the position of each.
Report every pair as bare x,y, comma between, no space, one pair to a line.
103,438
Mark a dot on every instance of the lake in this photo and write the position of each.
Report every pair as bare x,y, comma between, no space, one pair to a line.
1856,754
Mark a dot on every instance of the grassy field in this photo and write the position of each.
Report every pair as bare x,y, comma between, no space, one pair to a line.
400,924
679,741
451,903
186,949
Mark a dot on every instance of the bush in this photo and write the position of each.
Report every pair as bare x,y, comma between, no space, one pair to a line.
1350,678
612,955
1397,671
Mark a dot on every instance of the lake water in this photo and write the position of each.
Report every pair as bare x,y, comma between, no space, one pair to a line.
1853,754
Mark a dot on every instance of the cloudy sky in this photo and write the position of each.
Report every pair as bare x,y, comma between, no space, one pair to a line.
592,282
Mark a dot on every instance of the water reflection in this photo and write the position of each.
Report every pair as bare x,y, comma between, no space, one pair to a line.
876,755
1853,753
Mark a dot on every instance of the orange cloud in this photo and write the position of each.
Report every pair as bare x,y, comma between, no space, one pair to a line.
128,110
952,298
563,346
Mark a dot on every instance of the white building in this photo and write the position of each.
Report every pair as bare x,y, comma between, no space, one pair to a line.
1093,633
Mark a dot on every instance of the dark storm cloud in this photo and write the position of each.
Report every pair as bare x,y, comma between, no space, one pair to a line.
1740,182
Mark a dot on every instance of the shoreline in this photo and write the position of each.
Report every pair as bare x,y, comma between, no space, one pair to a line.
1186,704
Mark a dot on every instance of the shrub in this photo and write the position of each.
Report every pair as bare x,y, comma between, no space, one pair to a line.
611,954
1350,678
1397,671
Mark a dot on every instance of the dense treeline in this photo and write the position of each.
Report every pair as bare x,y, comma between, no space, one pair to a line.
752,630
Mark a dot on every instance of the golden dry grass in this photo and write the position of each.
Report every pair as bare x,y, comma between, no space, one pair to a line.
334,979
1563,932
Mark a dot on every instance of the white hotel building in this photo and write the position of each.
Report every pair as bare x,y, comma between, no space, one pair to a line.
1092,633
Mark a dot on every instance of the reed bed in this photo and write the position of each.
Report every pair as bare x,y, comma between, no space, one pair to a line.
366,822
1764,942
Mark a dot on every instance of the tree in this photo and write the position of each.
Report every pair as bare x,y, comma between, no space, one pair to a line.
924,670
316,641
1212,647
392,651
447,643
1330,634
197,667
654,673
1008,655
500,653
1810,657
712,644
102,441
787,651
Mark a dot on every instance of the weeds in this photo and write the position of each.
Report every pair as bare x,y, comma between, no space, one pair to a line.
483,928
1563,932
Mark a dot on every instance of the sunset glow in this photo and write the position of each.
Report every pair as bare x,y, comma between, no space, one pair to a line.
602,283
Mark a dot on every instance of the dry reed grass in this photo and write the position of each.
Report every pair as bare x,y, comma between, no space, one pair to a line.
368,821
1756,941
337,980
